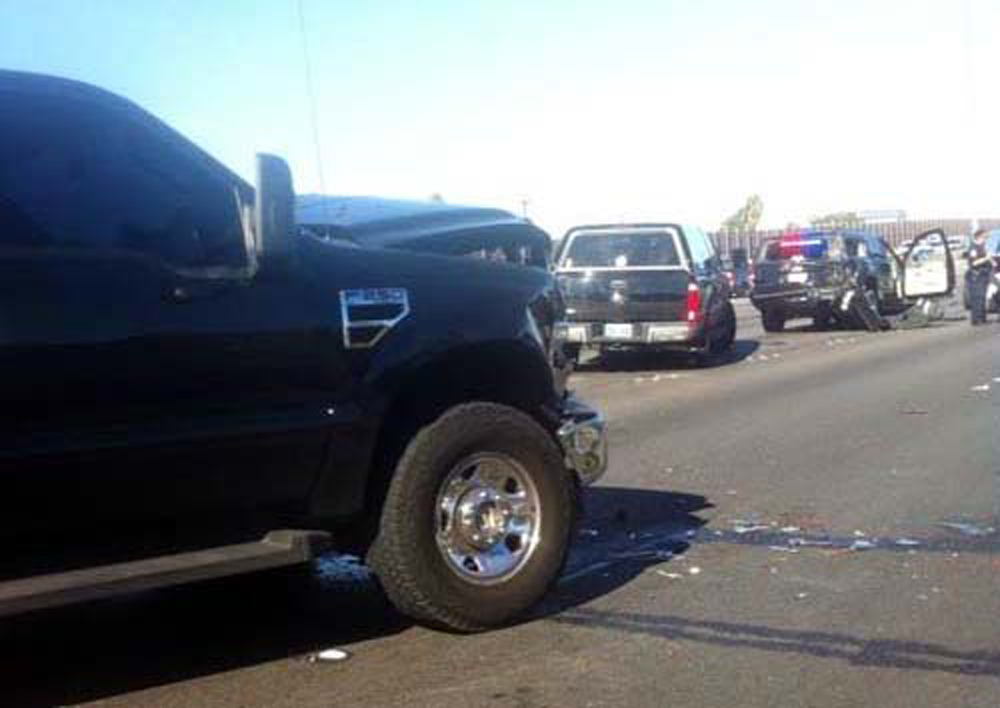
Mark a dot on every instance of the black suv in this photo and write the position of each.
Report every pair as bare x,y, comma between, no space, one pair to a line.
645,285
819,273
195,385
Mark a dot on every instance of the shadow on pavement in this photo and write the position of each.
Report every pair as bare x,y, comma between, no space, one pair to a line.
89,652
857,651
638,360
624,531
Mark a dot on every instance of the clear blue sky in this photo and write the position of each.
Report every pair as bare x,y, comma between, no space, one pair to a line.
590,110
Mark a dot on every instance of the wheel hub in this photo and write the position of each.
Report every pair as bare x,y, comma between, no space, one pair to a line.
489,518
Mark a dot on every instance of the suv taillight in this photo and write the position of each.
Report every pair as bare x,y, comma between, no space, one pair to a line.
692,304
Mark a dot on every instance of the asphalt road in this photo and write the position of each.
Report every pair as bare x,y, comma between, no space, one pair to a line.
807,523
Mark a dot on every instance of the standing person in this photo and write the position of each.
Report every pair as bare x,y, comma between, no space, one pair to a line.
977,277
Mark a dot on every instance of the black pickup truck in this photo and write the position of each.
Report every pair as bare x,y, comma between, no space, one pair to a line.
652,286
196,384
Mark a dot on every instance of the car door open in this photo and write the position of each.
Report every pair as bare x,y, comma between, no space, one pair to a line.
928,267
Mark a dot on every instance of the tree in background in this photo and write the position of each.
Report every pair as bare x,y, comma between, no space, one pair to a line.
838,219
747,217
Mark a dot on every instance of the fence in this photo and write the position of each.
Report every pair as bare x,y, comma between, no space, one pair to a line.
893,232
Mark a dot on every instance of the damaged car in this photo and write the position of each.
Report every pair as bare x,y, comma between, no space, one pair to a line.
204,378
846,277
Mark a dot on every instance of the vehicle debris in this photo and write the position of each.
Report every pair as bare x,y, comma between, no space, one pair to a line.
799,541
967,529
669,576
329,656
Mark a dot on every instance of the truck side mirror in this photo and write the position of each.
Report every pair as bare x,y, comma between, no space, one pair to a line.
274,214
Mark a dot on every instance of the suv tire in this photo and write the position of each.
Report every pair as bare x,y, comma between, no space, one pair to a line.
773,320
456,480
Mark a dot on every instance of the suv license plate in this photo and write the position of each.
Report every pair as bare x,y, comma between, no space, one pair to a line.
618,331
798,277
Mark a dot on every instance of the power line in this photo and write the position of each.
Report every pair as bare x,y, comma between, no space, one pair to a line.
312,96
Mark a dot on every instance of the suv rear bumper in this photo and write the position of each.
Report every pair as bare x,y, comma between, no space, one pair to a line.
583,436
803,301
657,334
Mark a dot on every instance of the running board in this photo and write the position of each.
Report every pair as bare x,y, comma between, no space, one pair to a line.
277,549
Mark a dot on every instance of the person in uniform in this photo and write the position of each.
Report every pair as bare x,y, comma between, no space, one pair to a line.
977,277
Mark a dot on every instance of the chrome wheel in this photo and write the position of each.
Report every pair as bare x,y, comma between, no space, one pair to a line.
489,518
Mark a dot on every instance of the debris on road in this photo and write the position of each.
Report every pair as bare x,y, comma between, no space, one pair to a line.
967,529
801,595
669,576
694,570
799,541
329,656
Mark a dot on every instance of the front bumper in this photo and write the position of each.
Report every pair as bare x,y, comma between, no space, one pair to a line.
583,436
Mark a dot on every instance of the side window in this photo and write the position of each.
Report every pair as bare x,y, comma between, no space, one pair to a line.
852,247
79,175
701,250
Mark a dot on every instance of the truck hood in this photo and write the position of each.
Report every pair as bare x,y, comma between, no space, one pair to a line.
430,227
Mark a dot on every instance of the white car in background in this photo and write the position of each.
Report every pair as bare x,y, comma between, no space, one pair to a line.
959,243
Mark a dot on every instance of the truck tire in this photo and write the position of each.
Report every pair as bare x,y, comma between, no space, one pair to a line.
477,519
572,352
773,320
728,338
823,317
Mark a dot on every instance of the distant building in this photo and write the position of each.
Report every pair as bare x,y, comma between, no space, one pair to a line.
882,216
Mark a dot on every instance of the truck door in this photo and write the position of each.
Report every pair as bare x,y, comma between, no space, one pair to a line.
144,372
928,267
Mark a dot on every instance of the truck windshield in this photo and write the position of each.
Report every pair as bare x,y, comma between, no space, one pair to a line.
803,246
621,250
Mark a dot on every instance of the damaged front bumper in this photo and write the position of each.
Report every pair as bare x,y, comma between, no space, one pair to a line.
583,436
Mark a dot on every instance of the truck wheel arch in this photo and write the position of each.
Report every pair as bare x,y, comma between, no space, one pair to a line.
511,374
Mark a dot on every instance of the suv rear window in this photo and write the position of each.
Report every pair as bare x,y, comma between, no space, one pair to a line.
807,246
621,249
